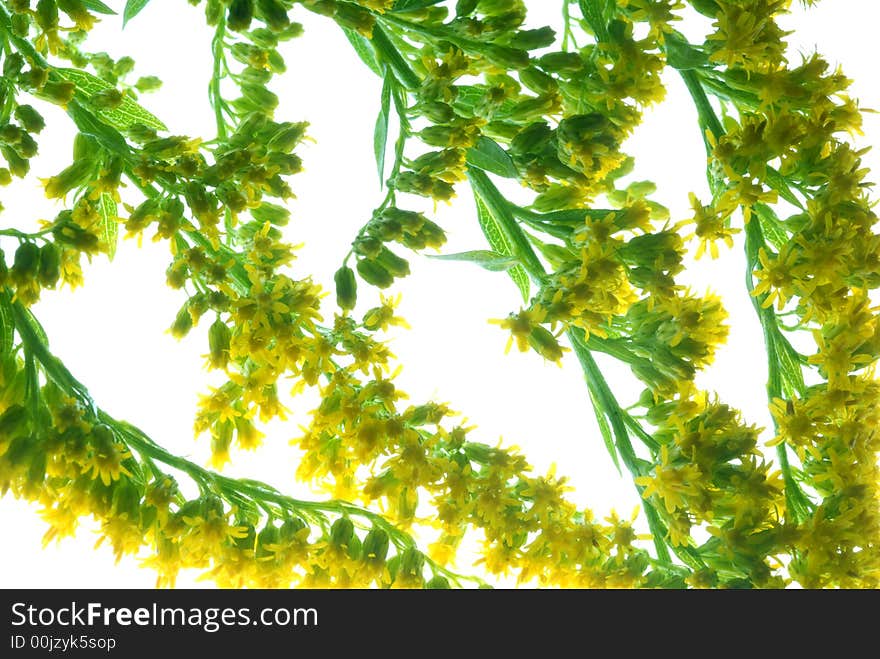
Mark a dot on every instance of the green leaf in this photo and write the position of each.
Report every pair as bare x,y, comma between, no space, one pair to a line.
109,226
498,208
412,5
132,9
34,337
364,50
683,56
772,227
123,117
380,134
488,155
482,257
777,181
7,327
790,372
389,54
593,14
498,242
98,7
605,429
28,325
86,122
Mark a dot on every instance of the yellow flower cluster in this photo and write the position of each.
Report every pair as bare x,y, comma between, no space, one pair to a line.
819,264
484,94
363,445
76,463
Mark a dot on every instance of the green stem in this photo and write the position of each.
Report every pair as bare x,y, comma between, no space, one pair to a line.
616,416
218,51
708,119
567,34
798,504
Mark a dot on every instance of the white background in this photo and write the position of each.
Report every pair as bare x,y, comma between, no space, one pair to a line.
112,335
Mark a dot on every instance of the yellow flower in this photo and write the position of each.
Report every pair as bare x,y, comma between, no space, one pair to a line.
775,277
673,484
379,318
520,326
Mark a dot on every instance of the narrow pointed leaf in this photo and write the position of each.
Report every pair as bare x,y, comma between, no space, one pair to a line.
7,328
98,7
380,134
605,430
498,242
364,50
412,5
482,257
132,9
488,155
109,226
124,116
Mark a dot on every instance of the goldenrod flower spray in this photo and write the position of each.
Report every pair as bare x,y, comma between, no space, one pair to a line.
477,98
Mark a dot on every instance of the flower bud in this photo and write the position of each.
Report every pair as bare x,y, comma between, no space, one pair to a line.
10,134
341,532
148,84
260,97
438,583
288,135
47,15
532,139
375,546
367,246
12,421
26,262
346,288
465,7
26,147
412,562
545,344
34,78
272,213
50,265
437,112
30,119
355,18
538,81
18,166
561,62
293,529
533,39
274,14
183,323
267,537
107,99
60,93
13,65
397,266
509,58
263,38
240,15
71,178
374,273
219,336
